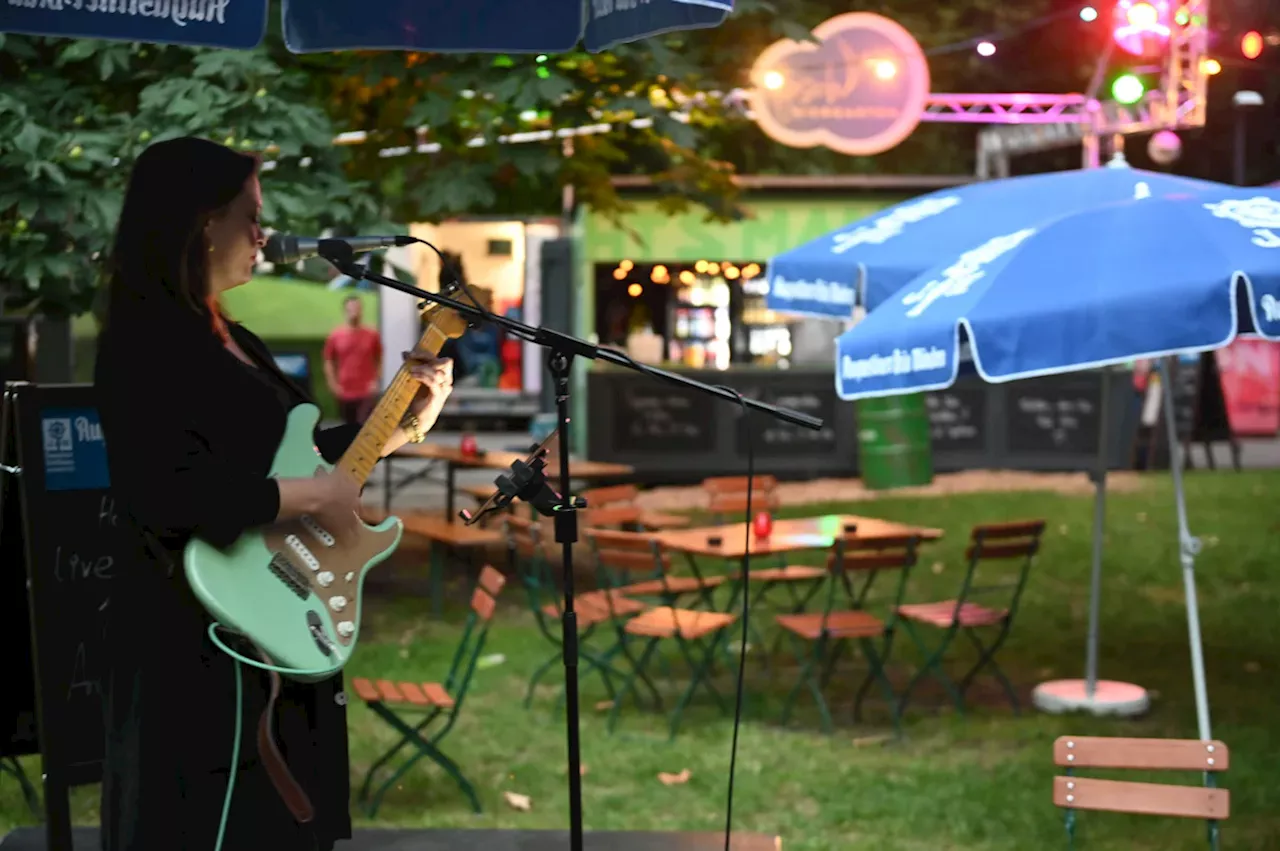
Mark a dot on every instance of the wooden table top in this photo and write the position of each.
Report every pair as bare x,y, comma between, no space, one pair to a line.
434,526
788,535
501,459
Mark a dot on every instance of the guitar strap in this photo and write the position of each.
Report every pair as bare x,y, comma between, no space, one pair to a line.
287,786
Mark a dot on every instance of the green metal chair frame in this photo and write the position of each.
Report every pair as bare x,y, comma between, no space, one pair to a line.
525,551
820,638
10,765
1073,793
620,553
1017,540
437,703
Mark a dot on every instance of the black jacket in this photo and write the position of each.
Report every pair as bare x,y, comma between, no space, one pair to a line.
191,433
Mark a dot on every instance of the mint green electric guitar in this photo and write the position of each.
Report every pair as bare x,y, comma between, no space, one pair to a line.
294,588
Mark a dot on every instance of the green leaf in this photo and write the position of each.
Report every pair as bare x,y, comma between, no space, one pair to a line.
78,51
28,139
678,132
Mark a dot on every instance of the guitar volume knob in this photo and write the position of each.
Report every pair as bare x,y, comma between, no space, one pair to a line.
337,603
346,629
325,578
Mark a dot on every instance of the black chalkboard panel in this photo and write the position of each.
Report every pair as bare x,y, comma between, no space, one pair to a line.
771,436
1057,415
650,416
957,417
72,540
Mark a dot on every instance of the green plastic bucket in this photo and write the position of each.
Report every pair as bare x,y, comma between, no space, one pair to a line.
895,449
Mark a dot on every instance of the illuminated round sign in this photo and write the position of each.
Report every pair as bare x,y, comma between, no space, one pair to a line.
861,90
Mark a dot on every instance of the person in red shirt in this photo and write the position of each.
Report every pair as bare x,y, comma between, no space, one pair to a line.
353,364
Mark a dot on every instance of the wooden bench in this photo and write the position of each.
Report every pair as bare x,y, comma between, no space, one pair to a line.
442,536
1073,793
390,700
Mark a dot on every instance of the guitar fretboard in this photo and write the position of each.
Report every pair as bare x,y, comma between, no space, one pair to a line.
363,453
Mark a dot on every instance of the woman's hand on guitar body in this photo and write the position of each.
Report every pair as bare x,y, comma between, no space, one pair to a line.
436,377
331,498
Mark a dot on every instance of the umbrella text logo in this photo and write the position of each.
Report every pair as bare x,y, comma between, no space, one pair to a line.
1260,214
888,226
959,277
1270,308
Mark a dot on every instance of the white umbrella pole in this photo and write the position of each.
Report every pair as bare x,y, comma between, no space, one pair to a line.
1099,519
1188,548
1105,697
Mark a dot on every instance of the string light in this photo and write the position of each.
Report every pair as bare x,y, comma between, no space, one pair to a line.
634,290
1251,44
1088,14
986,48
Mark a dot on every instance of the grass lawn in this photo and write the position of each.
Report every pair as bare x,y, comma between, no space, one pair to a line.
978,782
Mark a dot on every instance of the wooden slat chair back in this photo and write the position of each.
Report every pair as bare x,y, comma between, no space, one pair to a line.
727,495
1016,541
637,565
392,701
1073,793
610,496
820,637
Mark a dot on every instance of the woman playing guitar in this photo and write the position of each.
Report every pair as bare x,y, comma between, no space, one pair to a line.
193,407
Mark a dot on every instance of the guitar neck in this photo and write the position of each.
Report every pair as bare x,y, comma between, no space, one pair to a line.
363,453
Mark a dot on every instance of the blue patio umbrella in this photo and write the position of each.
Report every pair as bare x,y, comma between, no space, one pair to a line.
881,253
474,26
1138,279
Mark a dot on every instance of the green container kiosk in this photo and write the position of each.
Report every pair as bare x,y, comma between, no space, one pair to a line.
895,449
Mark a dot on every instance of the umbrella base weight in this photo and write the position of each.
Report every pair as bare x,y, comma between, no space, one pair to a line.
1109,698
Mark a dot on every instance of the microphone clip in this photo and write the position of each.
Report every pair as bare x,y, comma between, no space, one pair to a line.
526,481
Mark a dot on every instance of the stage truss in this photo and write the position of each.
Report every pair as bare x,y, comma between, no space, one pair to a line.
1026,123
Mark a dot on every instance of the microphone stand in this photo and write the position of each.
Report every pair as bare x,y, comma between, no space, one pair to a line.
562,349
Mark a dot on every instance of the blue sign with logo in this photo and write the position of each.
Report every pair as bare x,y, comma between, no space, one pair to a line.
861,90
75,453
203,23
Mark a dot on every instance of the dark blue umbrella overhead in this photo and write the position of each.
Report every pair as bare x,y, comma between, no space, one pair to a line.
477,26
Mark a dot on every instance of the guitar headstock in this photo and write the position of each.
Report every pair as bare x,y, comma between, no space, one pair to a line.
446,320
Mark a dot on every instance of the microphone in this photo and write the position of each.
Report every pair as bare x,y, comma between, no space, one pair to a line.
282,248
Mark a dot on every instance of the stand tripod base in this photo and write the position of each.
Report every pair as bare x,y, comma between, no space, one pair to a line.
1124,700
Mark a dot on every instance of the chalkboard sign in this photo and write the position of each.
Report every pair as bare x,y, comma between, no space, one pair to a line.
1055,415
72,539
956,418
772,436
650,416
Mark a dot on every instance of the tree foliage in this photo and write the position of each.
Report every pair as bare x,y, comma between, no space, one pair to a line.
82,110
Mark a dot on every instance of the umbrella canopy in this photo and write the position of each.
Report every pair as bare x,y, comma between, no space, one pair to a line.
1132,279
478,26
885,251
1135,279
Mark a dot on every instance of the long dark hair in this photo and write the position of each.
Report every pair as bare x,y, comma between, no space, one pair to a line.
159,258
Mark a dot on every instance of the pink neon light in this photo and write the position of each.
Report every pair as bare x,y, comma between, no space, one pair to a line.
1142,26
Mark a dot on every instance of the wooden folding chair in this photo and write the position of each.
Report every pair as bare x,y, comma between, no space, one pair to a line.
526,553
699,635
626,555
820,637
438,700
1073,793
1018,541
